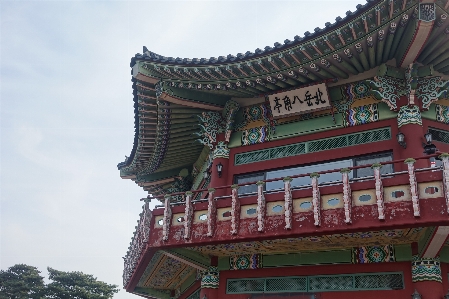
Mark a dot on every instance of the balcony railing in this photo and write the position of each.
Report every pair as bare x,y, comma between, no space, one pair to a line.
141,235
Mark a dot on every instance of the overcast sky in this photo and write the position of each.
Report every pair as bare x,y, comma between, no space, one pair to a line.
66,112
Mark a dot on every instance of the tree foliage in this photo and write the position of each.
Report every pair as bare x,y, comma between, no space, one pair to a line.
77,285
21,282
24,282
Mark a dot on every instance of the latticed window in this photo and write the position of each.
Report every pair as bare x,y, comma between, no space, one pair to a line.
316,284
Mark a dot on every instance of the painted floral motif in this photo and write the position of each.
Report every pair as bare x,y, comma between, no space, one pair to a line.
356,90
254,136
363,115
373,254
255,112
244,262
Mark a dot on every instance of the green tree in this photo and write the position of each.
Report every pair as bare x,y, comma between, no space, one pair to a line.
77,285
21,282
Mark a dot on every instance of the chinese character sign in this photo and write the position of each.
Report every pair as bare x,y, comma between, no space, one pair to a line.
299,101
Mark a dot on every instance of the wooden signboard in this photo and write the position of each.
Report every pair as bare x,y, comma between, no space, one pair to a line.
300,101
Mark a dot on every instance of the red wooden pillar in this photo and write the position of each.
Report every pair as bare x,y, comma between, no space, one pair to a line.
410,124
414,136
210,281
220,156
427,278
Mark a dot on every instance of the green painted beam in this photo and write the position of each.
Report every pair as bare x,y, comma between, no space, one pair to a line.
308,258
391,71
201,97
429,114
431,46
371,52
403,253
444,254
188,283
444,70
191,255
389,42
438,56
442,61
346,66
186,110
380,46
355,62
160,175
223,263
336,72
425,239
362,57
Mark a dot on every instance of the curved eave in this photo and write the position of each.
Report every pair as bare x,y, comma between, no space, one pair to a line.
378,32
278,47
164,130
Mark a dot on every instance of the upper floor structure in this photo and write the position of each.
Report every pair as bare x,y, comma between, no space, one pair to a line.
306,146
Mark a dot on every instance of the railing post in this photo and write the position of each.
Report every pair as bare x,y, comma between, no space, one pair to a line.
413,185
260,206
379,191
288,204
347,195
316,201
167,218
211,213
235,210
445,158
188,215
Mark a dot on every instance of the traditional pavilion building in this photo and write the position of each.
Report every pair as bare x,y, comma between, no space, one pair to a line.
317,168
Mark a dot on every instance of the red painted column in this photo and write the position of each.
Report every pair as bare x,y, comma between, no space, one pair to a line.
426,277
429,289
221,155
410,124
210,281
414,137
